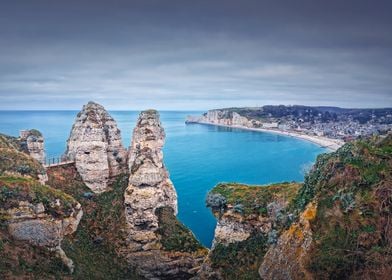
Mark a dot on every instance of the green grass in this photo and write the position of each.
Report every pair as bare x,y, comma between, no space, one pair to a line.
240,260
93,247
14,158
14,189
353,193
174,235
254,199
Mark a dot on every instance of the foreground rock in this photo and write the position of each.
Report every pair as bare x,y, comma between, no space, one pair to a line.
158,244
344,208
334,226
95,145
38,214
250,218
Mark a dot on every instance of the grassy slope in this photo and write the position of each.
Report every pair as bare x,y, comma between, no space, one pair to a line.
353,190
14,160
19,259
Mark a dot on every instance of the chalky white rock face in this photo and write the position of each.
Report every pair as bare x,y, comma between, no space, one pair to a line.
226,118
95,145
149,184
31,223
34,144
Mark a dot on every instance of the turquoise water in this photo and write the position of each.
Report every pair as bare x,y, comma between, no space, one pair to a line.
197,156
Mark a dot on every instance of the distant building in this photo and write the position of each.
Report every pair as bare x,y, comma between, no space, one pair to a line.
270,125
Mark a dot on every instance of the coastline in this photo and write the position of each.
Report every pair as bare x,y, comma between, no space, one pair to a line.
328,143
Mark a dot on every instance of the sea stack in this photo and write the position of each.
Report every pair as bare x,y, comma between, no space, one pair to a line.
157,243
149,184
33,142
95,146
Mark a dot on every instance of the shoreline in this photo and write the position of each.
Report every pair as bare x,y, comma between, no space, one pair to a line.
324,142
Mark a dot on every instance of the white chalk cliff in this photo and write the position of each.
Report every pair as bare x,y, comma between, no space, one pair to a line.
150,208
95,146
149,184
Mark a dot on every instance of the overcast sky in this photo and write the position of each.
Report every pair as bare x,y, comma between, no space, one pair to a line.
184,55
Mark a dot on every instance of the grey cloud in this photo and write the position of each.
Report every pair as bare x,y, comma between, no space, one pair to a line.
195,54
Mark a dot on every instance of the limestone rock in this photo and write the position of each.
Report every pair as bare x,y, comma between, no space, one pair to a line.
29,222
149,184
35,224
149,190
95,145
287,259
33,142
224,117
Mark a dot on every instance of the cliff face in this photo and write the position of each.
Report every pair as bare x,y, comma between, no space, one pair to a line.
226,117
287,259
34,144
95,145
343,207
334,225
249,220
151,206
39,215
30,211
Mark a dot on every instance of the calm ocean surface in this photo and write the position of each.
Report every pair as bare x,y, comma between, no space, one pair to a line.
197,156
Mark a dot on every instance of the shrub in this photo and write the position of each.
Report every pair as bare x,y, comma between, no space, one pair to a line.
216,200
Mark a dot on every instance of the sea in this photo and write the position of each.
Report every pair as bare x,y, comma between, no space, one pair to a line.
197,156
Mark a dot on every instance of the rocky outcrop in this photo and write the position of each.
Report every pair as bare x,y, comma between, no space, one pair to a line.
287,259
249,220
38,214
149,184
33,141
149,194
226,117
95,146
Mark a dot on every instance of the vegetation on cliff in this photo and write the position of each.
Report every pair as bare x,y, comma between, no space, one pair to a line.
353,190
248,200
13,159
241,260
174,236
348,234
96,246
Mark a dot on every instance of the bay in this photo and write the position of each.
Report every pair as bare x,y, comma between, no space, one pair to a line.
197,156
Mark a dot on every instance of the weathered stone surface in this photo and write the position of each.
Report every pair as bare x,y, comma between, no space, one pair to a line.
34,144
149,184
31,223
287,259
149,189
95,145
225,117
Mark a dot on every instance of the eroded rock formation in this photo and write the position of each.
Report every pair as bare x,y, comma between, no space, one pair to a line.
95,145
39,214
33,142
249,220
225,117
151,206
287,259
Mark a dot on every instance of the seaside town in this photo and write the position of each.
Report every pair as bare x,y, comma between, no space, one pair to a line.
322,122
337,123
